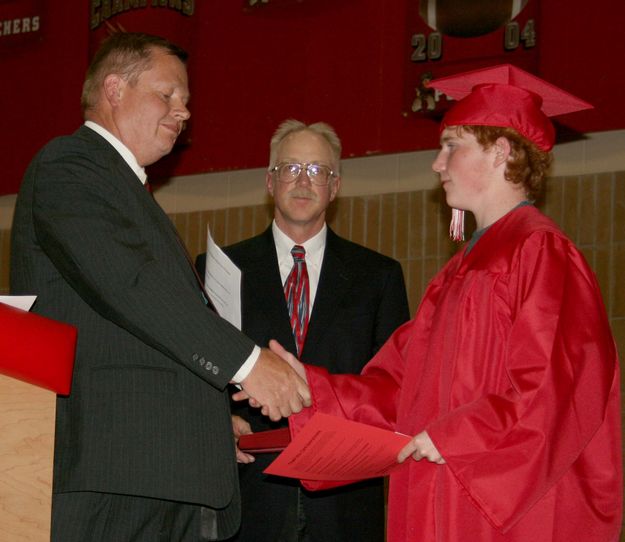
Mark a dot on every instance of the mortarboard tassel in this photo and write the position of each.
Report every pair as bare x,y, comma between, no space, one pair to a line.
456,227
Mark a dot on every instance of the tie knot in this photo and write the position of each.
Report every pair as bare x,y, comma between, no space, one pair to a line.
299,253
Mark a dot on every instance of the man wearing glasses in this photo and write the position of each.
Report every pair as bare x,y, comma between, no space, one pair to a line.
333,302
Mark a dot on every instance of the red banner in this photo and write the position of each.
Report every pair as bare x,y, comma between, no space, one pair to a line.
357,65
452,36
22,23
171,19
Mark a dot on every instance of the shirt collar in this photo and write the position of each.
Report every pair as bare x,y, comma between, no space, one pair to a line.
314,246
124,151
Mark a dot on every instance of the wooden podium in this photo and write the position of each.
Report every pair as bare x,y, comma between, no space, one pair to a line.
26,452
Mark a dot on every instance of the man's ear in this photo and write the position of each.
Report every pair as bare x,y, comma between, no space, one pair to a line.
269,183
502,150
335,184
113,88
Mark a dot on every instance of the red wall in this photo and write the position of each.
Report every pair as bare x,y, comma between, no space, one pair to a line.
41,79
342,61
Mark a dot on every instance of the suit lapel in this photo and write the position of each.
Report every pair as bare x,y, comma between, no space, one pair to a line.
130,182
176,245
264,290
334,283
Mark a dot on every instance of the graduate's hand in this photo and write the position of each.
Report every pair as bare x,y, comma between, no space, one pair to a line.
420,447
242,395
241,427
275,387
277,348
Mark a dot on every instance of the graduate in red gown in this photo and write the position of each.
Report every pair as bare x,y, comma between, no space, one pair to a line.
508,375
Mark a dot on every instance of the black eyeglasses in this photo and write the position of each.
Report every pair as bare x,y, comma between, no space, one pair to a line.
317,173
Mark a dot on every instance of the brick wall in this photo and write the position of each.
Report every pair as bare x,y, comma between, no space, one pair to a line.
412,227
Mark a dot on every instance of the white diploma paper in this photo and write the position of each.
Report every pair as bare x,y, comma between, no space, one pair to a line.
334,449
24,302
222,281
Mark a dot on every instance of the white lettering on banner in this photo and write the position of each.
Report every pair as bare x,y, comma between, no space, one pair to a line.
24,25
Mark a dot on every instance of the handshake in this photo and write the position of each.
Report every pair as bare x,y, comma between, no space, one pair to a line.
276,384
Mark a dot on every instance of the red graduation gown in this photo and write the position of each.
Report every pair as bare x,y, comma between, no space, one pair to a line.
510,366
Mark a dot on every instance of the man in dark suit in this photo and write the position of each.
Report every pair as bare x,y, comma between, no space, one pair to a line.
144,447
356,300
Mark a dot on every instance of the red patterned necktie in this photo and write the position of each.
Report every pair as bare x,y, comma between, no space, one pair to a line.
296,293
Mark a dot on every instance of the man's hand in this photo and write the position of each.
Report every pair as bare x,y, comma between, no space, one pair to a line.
277,348
275,386
420,447
241,427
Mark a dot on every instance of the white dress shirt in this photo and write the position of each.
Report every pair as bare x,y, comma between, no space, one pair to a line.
314,247
125,152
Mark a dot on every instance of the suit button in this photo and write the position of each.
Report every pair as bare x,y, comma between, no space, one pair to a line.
209,365
202,361
195,357
215,370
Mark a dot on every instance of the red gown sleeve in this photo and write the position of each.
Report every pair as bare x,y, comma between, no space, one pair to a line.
370,397
509,448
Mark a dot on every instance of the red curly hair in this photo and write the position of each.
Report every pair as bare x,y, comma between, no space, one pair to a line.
527,165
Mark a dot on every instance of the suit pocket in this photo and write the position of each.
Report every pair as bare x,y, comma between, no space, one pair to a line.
132,380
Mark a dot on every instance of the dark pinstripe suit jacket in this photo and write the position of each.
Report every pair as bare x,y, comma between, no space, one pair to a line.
148,414
360,301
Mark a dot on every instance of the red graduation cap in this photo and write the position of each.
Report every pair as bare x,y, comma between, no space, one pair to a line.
507,96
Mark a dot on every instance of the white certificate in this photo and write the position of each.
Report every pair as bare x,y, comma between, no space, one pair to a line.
222,281
24,302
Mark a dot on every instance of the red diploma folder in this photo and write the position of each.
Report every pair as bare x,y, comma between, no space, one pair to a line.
264,442
36,349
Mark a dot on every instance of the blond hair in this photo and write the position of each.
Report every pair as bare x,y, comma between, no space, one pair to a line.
292,126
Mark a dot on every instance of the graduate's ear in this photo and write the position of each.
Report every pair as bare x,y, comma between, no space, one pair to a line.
113,88
502,150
